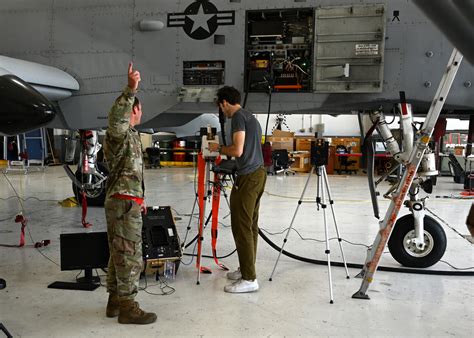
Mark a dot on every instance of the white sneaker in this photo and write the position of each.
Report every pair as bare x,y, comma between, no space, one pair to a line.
234,275
242,286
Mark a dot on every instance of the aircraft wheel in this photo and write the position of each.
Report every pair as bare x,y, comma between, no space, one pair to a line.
95,197
406,253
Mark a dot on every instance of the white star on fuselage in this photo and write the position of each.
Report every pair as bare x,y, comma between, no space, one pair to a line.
200,19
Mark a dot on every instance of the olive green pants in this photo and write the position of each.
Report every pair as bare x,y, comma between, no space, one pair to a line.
124,232
244,205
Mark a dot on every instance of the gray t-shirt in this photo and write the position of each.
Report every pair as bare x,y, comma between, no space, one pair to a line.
252,157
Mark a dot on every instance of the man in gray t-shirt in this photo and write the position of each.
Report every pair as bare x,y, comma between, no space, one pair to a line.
252,157
248,187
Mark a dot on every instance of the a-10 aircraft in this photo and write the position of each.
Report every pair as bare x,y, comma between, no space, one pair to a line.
62,63
316,56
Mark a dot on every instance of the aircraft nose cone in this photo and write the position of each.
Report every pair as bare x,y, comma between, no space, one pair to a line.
22,108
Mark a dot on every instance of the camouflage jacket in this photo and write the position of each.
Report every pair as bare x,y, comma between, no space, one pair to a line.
123,150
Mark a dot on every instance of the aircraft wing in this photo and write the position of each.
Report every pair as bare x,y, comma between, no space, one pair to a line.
184,129
454,19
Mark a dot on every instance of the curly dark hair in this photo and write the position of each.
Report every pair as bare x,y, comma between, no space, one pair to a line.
230,94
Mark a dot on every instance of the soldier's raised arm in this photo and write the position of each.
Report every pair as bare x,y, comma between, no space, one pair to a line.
119,114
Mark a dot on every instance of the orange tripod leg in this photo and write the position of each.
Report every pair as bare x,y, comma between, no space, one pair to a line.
216,195
202,179
201,201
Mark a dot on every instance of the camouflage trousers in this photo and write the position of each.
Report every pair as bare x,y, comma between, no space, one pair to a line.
124,231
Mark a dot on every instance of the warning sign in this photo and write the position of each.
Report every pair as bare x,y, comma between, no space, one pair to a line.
365,49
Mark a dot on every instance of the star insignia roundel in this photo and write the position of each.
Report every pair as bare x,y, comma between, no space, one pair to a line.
201,19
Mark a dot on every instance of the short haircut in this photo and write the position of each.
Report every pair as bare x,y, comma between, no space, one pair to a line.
136,102
230,94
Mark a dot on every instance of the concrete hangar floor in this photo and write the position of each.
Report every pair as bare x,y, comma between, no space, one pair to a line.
295,303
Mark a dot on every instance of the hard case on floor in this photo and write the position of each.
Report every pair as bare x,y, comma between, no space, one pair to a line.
160,238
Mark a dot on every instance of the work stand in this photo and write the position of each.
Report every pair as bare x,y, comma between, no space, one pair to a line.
375,252
322,190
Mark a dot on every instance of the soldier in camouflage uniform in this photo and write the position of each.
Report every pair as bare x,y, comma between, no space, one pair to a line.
123,206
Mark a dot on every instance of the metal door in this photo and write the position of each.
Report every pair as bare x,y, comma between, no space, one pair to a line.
349,49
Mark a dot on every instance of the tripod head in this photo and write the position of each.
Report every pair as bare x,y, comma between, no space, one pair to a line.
319,152
209,135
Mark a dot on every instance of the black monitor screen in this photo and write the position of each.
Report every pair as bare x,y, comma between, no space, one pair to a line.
84,250
267,28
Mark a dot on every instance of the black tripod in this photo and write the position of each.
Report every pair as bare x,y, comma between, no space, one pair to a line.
3,285
322,189
5,331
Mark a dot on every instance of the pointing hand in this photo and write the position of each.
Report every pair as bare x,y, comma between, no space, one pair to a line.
133,77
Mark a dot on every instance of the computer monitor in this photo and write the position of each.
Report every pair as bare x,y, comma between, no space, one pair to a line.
83,251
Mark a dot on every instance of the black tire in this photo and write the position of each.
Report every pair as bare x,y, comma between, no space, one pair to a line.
409,256
98,198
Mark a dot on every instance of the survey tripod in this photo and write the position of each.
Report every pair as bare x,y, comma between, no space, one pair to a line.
206,188
323,189
411,166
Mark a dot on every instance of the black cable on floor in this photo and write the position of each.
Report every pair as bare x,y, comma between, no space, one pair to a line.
23,212
28,198
212,257
313,239
162,285
360,266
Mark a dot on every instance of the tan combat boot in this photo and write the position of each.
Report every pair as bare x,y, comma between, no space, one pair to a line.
130,313
113,306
